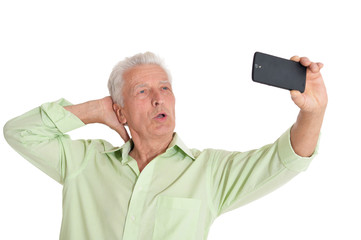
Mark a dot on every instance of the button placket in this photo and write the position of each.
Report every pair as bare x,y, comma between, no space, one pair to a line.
134,215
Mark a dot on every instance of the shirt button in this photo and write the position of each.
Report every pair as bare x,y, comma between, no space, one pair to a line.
133,218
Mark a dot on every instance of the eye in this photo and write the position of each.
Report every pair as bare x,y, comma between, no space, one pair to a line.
143,91
165,88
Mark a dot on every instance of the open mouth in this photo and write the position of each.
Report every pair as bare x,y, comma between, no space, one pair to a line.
161,115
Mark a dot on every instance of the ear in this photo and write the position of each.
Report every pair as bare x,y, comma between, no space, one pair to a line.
119,111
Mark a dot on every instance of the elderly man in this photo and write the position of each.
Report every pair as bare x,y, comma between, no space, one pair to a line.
154,186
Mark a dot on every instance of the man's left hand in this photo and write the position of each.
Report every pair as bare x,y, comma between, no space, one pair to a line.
314,99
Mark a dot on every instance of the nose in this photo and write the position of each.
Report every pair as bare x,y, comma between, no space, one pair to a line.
157,99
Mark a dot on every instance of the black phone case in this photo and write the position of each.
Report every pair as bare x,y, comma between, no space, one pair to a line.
278,72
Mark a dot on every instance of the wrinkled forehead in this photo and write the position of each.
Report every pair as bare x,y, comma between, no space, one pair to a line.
145,73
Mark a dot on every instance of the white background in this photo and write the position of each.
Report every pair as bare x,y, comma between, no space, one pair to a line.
54,49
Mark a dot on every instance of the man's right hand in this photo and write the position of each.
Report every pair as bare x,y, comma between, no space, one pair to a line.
99,111
110,119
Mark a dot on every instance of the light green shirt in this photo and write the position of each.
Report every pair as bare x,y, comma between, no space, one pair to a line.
178,195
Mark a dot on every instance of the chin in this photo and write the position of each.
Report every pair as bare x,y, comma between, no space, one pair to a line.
164,131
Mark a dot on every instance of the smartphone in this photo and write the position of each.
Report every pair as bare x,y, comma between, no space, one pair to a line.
278,72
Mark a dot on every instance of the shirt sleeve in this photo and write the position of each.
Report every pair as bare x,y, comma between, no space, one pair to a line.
39,136
237,178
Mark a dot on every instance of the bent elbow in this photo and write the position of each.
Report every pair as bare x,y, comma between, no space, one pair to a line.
7,131
12,134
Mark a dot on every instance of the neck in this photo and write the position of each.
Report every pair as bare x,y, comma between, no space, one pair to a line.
146,149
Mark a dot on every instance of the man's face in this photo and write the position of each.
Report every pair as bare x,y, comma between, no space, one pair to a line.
149,103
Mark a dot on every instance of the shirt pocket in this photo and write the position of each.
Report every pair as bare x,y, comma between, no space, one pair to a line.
176,218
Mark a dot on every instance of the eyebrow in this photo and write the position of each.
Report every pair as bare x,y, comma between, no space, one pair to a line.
145,84
141,85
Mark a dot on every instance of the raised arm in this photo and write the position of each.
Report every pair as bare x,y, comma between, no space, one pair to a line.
312,103
39,135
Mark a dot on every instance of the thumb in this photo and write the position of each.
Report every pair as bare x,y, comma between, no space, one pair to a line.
297,98
120,129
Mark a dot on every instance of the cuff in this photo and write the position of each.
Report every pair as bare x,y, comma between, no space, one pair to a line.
56,114
288,156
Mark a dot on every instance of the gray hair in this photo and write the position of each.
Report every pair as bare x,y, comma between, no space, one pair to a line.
116,80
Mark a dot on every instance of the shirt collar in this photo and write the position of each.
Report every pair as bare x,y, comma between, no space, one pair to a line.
127,147
177,141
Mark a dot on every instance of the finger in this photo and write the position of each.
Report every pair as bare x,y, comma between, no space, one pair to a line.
122,131
305,61
295,58
125,136
314,68
297,98
320,65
